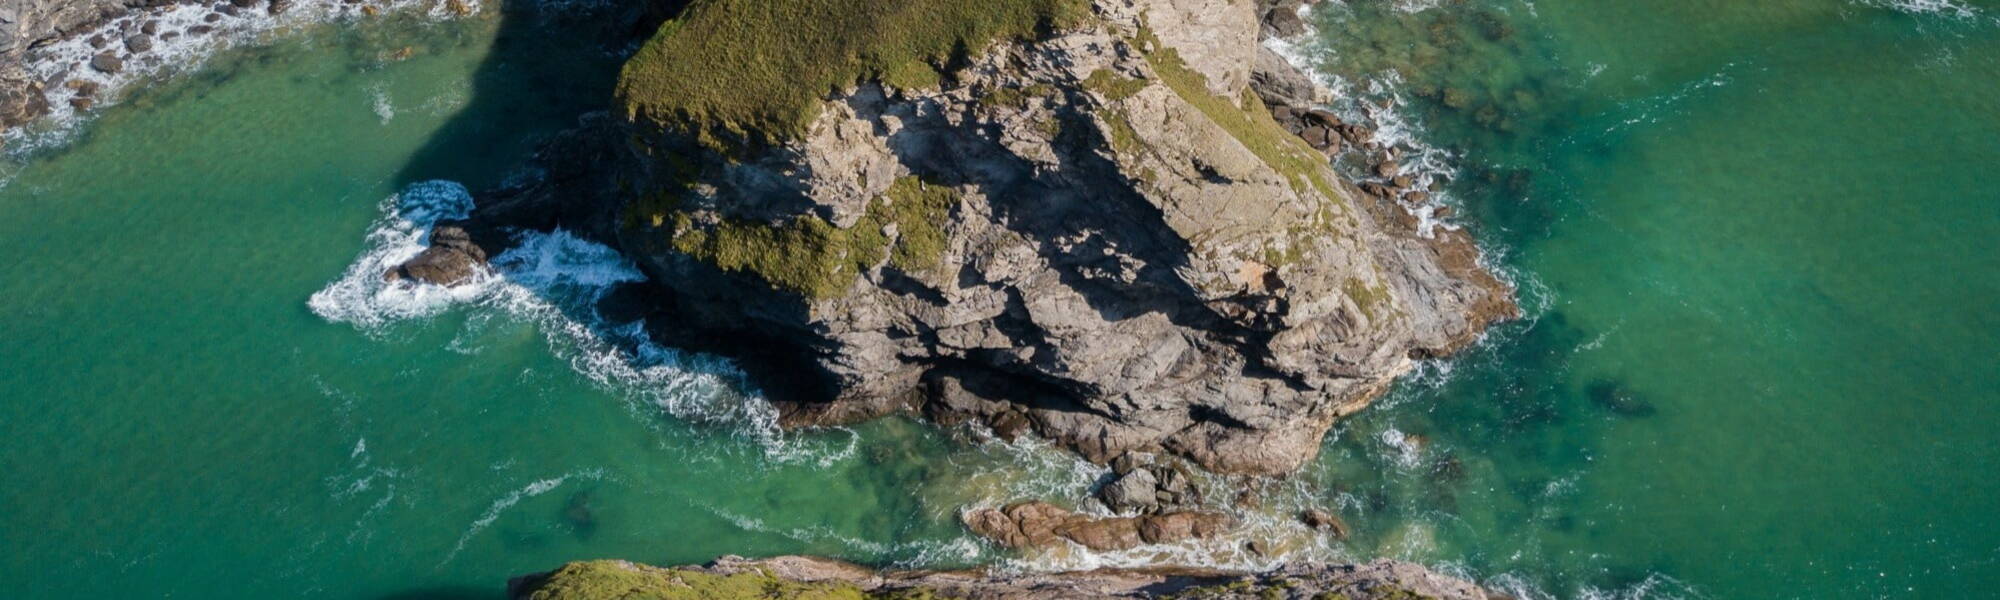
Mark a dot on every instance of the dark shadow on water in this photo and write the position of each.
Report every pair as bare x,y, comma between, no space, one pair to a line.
449,592
550,63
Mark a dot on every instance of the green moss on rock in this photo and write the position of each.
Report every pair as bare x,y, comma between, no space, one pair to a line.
1369,298
619,580
1245,118
919,210
815,258
1112,86
745,72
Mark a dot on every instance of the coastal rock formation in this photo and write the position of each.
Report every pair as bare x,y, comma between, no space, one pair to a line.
1144,487
1080,218
1042,525
807,577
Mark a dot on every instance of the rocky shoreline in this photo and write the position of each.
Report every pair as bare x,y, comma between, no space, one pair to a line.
808,577
61,58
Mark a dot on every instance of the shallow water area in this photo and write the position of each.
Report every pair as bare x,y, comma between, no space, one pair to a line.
1754,240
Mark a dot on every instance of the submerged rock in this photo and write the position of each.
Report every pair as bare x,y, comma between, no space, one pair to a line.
1323,520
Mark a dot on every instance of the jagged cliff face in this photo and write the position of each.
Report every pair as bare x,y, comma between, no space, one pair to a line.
1093,229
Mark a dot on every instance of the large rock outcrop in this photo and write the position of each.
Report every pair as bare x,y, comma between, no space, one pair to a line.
806,577
1042,525
1088,219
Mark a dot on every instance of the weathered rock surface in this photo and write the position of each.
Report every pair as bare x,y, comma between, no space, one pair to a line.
1107,237
1043,525
1144,486
799,576
1136,256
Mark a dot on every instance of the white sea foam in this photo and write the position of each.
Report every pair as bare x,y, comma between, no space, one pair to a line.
378,101
500,505
362,297
554,280
1379,104
1949,8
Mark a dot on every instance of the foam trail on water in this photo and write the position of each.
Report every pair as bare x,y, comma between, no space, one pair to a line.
1949,8
493,512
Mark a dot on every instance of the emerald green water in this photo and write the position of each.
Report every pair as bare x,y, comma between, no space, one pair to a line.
1754,240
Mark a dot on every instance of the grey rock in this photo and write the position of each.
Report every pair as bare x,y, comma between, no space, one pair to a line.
1192,300
1044,525
139,43
106,62
1132,492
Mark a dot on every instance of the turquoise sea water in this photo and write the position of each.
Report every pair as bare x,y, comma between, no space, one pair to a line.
1754,239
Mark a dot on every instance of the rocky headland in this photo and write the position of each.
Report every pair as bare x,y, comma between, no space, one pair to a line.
1110,223
807,577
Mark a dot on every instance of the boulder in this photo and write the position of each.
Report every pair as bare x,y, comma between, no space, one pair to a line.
453,258
106,62
139,43
1133,492
1025,525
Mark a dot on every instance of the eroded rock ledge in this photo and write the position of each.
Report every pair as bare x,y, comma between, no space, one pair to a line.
1092,220
806,577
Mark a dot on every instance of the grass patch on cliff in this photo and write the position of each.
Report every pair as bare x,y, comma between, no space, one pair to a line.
815,258
1245,118
747,72
617,580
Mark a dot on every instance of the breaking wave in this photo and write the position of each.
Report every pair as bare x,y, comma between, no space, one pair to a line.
555,281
